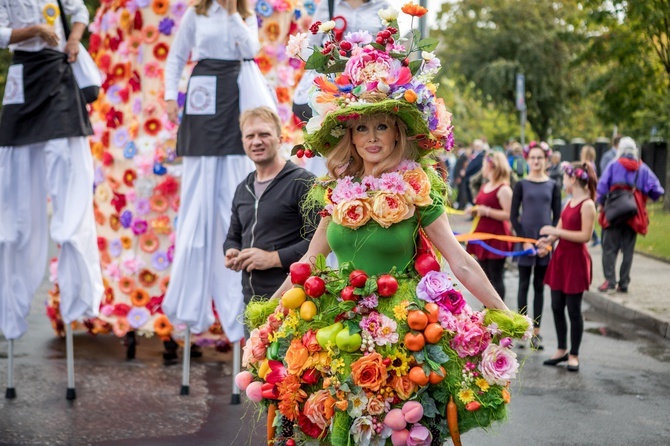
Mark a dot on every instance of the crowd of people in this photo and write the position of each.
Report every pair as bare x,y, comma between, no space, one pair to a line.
254,228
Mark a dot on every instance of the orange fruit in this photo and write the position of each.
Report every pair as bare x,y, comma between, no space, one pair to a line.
418,376
417,320
432,311
414,341
433,333
435,378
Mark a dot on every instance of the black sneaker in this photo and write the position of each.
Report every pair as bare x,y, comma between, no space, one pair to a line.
621,289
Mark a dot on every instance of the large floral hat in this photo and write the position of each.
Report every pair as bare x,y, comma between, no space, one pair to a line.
362,75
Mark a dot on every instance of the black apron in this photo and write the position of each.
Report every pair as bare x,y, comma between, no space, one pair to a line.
53,106
210,125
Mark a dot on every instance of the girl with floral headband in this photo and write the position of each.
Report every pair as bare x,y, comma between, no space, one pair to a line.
384,347
569,271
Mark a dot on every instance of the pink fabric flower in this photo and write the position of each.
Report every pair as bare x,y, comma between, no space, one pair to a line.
419,436
499,364
347,190
392,182
470,339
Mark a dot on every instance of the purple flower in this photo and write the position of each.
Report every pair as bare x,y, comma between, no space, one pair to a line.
142,206
139,227
142,3
115,248
181,99
170,253
437,287
113,94
126,219
121,137
178,9
165,26
138,316
98,176
160,261
370,301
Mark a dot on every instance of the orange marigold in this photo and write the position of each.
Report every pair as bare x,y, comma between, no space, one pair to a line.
162,326
139,297
290,397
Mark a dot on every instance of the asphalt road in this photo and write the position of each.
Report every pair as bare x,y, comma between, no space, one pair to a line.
621,396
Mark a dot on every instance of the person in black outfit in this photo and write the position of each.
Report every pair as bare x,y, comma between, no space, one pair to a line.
473,167
536,202
268,232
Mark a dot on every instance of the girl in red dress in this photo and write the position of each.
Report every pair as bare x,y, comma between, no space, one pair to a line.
493,204
569,272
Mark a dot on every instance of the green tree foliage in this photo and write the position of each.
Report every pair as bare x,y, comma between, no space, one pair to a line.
487,42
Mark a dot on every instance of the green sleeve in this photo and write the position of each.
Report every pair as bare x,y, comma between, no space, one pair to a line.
428,214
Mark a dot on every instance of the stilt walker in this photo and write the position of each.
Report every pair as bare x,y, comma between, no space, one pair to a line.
44,151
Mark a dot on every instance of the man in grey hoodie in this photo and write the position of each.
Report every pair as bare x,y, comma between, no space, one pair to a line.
268,230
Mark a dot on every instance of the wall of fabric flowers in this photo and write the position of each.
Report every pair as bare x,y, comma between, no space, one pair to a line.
137,173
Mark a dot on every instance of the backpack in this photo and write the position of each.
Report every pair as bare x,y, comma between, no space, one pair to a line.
520,167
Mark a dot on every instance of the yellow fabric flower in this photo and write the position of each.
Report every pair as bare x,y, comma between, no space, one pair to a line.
466,395
400,311
482,384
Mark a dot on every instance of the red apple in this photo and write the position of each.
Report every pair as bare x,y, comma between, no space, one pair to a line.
358,278
348,293
300,271
425,263
387,285
314,286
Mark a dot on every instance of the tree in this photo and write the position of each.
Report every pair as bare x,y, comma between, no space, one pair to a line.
488,42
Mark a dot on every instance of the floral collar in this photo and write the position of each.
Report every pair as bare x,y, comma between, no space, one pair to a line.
388,199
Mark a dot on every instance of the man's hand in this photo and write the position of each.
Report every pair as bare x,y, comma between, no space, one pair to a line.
173,112
47,33
253,258
72,49
231,259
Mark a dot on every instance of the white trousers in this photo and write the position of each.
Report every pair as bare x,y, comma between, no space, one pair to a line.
63,170
198,270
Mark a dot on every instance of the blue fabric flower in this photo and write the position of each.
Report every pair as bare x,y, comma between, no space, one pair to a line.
130,151
264,8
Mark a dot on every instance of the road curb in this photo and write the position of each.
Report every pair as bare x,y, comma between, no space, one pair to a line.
638,317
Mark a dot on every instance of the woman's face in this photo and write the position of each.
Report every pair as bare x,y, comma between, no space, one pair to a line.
536,159
374,140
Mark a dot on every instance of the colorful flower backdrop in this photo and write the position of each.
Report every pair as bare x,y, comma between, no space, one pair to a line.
137,174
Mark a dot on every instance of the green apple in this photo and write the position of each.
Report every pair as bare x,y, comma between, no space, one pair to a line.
327,334
348,342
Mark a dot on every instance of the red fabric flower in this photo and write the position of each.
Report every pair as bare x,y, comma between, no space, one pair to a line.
102,243
152,126
119,201
94,43
154,305
121,310
161,51
169,186
129,177
308,427
114,118
135,83
137,22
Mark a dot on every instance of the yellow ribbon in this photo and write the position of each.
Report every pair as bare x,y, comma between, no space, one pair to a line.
50,13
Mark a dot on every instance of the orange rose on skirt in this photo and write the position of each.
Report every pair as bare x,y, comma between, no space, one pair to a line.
369,372
320,408
418,192
403,386
296,357
352,214
389,208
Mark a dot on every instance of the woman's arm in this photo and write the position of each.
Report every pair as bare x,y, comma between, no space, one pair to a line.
465,268
318,245
588,214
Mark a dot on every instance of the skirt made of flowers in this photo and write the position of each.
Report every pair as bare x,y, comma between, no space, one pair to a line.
347,358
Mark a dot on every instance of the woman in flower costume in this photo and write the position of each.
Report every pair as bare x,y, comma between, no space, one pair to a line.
384,350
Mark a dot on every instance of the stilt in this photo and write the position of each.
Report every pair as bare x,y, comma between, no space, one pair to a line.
69,352
187,363
237,360
11,391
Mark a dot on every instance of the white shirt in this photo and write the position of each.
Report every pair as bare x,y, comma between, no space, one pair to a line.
214,36
17,14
